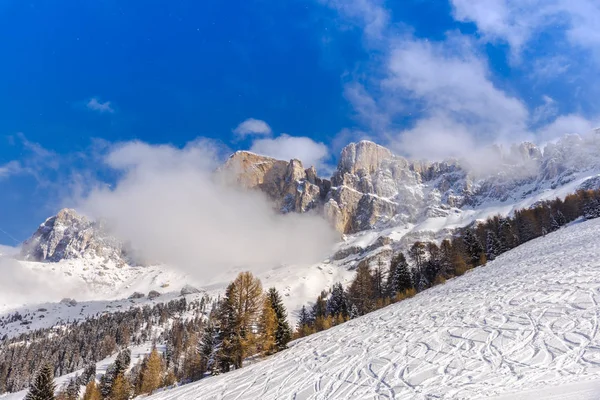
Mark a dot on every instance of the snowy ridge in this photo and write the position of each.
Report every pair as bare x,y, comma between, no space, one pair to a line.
525,321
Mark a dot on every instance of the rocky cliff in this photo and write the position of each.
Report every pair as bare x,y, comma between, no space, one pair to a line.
69,235
291,187
372,187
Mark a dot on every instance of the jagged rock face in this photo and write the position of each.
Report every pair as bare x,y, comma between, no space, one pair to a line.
288,184
373,187
68,235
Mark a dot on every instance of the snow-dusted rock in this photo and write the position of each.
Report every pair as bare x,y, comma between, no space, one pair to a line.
287,184
69,235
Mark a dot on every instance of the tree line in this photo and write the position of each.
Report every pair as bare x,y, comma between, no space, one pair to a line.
432,264
245,322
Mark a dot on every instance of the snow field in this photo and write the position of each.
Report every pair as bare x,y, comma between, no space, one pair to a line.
526,321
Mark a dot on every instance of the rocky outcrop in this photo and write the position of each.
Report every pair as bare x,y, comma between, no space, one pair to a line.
291,187
371,188
69,235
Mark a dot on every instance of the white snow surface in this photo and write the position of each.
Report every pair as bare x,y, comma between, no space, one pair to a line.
523,326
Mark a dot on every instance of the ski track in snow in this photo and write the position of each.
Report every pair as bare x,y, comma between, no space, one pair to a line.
528,320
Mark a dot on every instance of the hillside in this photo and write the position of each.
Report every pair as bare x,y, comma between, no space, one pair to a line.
527,320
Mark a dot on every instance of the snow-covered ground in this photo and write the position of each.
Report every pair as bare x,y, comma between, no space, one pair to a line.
525,326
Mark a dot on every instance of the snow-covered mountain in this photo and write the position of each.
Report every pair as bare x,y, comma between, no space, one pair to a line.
523,326
373,188
69,235
378,201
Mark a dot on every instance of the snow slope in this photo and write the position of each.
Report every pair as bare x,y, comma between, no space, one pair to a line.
524,322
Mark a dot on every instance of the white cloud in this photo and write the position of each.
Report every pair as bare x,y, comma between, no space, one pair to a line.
8,250
445,88
369,14
96,105
21,284
9,169
545,112
518,21
287,147
252,126
567,124
453,82
172,209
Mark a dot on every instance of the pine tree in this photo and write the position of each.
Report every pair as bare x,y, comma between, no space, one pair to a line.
591,207
305,322
361,291
433,263
400,278
283,333
89,373
492,246
43,386
508,238
378,281
337,304
73,388
319,309
209,348
418,255
473,247
151,373
92,392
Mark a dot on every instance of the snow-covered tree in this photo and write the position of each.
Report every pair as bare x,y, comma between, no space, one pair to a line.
43,386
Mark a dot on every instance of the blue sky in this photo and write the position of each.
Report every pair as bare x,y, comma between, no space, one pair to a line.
426,78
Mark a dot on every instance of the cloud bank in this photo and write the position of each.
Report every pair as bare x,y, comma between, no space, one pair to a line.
172,209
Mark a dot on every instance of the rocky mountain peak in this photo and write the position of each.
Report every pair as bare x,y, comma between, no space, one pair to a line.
525,151
364,156
69,235
291,187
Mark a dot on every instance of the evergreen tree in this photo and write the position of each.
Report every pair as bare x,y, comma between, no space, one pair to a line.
337,304
400,278
305,322
319,309
433,263
43,386
89,373
115,369
508,237
283,333
418,255
591,207
446,257
473,247
378,281
73,388
209,348
361,291
492,245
